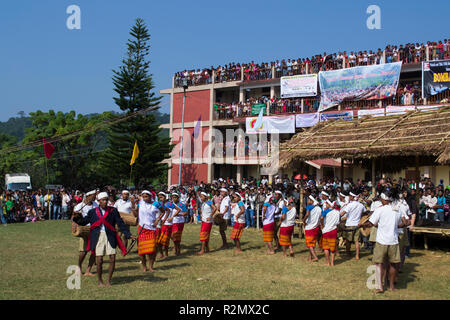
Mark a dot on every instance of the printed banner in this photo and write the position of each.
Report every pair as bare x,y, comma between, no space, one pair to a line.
299,86
305,120
271,125
435,77
348,115
358,83
373,112
256,108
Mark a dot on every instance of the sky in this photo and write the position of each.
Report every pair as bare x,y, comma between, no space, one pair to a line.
44,65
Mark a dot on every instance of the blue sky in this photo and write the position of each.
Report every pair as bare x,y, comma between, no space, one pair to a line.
43,65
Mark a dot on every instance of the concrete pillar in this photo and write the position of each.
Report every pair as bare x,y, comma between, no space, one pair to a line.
270,179
239,174
272,91
343,62
213,76
384,56
427,52
212,98
241,94
273,72
307,68
242,73
303,106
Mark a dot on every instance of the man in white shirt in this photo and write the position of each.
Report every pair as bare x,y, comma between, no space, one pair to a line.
387,247
280,204
84,207
353,210
125,205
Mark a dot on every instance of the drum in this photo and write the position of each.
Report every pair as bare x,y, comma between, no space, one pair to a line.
80,231
365,231
129,218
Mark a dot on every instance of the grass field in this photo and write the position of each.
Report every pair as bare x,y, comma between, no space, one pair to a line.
34,258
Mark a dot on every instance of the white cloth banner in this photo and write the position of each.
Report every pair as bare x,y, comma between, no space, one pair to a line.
281,124
372,112
304,120
391,110
271,125
299,86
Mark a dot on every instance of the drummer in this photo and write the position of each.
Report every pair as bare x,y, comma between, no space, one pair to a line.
84,207
125,205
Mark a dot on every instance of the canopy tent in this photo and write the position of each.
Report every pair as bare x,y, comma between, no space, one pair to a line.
415,133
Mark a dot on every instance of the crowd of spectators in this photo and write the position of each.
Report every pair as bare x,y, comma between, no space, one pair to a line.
408,53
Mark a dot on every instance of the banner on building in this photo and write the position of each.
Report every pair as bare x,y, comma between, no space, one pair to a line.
358,83
256,108
398,110
435,77
305,120
271,125
299,86
347,115
379,112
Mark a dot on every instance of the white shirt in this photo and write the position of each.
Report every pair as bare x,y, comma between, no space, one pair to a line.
269,215
313,219
123,206
388,221
147,215
354,211
84,208
206,211
403,208
235,209
281,204
331,221
65,200
290,218
226,202
375,205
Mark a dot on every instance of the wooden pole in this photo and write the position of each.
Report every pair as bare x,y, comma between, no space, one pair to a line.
342,173
417,178
131,170
373,176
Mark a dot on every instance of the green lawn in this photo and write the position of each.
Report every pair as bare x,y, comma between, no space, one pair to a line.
34,258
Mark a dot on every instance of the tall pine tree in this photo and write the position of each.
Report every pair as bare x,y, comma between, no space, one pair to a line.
133,83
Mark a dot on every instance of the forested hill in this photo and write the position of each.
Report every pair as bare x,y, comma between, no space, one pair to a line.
16,126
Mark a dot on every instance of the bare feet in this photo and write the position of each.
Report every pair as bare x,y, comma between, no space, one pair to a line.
88,274
152,270
315,260
391,289
356,258
270,252
144,269
201,252
223,247
101,284
238,251
108,284
379,291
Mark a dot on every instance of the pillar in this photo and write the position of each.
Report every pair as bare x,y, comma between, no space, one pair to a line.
239,174
272,91
241,94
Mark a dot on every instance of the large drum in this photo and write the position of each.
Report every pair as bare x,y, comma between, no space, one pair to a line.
129,218
79,231
365,231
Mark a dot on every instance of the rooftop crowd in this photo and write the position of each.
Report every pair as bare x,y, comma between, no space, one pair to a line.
408,53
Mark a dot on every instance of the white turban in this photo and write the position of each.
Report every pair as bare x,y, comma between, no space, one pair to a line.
102,195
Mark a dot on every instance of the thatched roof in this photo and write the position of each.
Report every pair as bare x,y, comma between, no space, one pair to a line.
417,132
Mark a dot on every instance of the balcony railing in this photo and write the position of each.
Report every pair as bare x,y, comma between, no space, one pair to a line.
309,105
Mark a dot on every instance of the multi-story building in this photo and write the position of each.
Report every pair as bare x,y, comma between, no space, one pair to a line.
206,100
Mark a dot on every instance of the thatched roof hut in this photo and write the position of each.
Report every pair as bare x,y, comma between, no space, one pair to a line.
423,133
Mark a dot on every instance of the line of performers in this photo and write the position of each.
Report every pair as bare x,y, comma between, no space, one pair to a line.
162,219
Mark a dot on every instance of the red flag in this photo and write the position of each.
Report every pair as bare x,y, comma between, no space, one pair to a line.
48,148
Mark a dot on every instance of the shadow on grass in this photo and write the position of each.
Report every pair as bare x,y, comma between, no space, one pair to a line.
407,275
148,277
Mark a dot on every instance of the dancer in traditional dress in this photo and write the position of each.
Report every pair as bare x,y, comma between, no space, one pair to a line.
84,207
161,205
311,222
280,203
287,227
238,212
223,216
268,213
103,237
329,221
179,219
148,221
166,229
208,210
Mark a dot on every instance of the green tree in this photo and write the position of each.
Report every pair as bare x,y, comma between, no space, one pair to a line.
133,84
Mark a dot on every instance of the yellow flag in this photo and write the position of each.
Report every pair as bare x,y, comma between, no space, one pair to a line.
135,153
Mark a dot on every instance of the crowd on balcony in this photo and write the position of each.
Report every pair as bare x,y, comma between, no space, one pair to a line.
409,53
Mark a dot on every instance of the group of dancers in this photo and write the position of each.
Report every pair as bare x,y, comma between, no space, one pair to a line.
162,216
